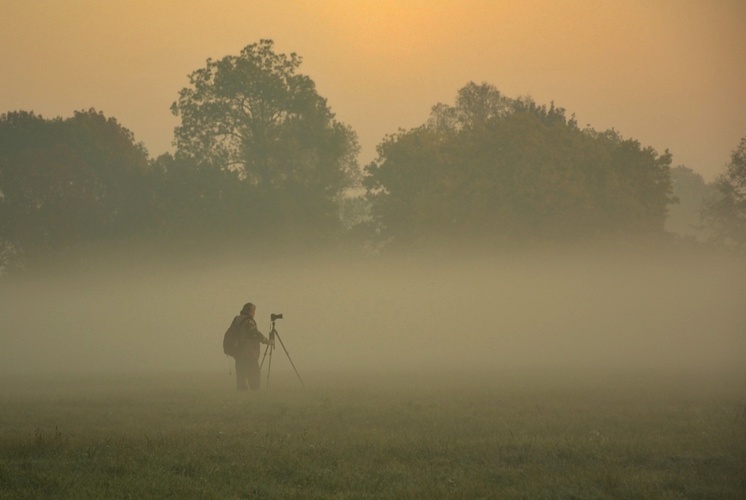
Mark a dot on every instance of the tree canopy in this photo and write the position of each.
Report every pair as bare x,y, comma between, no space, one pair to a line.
255,115
64,181
727,210
685,215
260,155
495,168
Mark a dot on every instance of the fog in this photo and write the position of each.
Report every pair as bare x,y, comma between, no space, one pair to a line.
587,308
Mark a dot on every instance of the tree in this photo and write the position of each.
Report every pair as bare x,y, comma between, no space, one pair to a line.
492,168
726,212
66,181
685,216
194,201
255,115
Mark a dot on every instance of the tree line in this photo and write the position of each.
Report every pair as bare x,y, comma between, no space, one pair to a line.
259,156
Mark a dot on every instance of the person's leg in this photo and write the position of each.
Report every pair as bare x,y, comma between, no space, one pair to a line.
241,374
254,375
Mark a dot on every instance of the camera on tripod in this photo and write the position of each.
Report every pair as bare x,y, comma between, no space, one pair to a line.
273,316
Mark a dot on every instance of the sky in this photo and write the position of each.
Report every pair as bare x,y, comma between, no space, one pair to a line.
668,73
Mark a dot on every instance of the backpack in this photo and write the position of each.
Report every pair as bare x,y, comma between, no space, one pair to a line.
230,339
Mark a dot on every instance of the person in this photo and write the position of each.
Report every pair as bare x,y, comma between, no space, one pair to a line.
247,348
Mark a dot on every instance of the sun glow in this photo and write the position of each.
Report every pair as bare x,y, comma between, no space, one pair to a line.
387,31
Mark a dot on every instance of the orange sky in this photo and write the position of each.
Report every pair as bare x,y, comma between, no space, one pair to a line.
670,73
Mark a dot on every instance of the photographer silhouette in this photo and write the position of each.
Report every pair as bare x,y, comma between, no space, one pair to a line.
242,341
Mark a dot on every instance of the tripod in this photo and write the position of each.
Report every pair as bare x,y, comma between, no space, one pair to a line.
273,333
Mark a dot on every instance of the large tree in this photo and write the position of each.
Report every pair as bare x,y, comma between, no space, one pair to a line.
71,180
726,211
255,115
494,168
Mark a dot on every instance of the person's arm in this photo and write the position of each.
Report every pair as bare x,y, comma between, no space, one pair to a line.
259,335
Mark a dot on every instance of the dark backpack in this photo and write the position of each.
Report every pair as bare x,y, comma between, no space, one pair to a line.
230,339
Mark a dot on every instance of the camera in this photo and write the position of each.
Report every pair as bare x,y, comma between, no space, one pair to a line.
273,316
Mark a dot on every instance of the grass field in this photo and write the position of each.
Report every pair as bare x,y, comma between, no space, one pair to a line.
510,434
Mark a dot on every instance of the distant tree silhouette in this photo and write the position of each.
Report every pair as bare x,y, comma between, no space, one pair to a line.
71,180
254,115
726,212
686,214
493,168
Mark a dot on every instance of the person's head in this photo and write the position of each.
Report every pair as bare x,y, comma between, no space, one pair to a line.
249,309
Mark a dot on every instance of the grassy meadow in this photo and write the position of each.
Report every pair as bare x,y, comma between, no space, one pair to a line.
501,434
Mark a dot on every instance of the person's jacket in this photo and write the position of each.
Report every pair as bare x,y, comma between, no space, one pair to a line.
249,337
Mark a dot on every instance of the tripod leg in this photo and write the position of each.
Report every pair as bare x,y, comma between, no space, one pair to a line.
289,358
269,365
265,355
